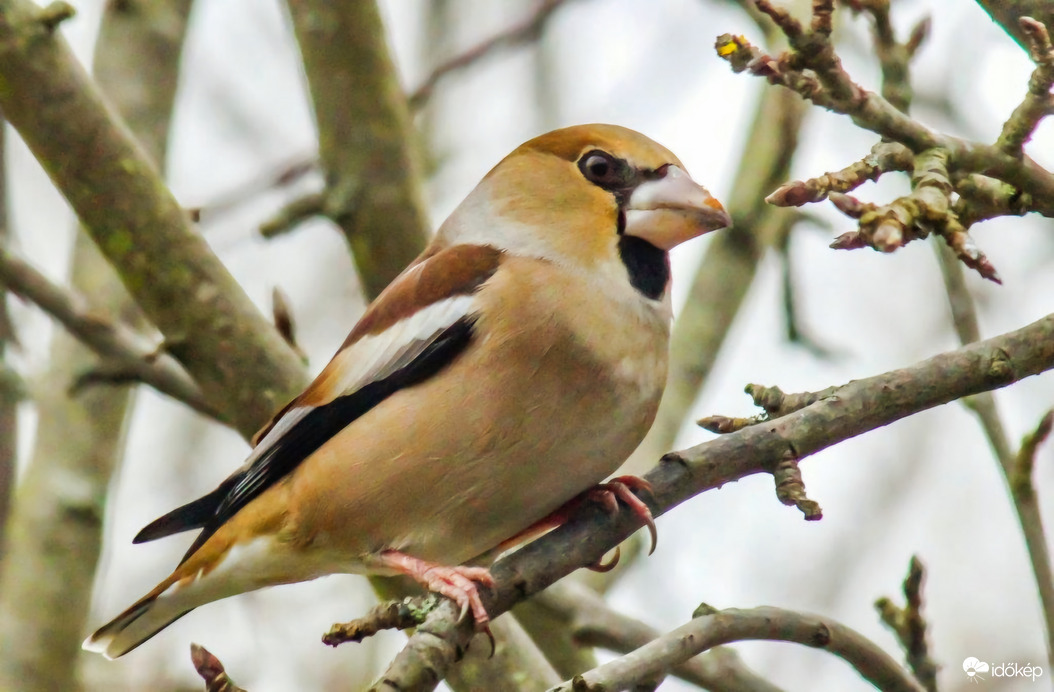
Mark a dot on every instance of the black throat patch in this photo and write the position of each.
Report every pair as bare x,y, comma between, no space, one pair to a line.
648,266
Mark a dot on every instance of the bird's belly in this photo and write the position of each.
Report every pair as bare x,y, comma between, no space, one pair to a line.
455,482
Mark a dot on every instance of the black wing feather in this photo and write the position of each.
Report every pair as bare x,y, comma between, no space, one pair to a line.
210,512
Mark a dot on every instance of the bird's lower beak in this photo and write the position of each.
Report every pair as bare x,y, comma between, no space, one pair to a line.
670,210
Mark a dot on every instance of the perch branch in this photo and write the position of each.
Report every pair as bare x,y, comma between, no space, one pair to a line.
850,410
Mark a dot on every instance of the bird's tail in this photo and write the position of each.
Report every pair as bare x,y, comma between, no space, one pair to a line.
145,618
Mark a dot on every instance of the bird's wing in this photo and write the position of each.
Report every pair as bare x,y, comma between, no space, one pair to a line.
419,324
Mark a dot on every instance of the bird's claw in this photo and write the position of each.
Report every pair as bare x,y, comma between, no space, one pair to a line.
459,584
621,488
601,566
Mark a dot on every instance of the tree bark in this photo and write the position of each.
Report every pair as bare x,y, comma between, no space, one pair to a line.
56,526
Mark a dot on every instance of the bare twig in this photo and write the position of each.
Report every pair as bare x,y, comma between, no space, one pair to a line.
1021,479
884,157
722,627
812,69
293,214
964,317
852,409
1007,14
526,31
131,352
790,488
285,175
909,626
1038,102
391,615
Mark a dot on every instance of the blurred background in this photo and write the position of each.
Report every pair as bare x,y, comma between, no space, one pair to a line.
927,486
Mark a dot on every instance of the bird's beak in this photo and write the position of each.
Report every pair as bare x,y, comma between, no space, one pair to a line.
672,209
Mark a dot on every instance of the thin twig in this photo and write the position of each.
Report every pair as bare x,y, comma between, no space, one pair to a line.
1038,102
526,31
909,626
813,70
964,317
127,350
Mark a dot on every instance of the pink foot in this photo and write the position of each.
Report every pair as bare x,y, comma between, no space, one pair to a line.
621,488
607,495
456,583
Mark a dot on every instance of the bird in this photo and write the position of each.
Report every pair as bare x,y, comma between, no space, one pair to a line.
495,383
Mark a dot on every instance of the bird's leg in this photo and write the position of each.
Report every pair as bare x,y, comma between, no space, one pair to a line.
607,496
456,583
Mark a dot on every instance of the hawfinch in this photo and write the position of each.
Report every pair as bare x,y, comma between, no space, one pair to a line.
511,368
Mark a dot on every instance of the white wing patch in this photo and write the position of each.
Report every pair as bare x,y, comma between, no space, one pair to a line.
376,356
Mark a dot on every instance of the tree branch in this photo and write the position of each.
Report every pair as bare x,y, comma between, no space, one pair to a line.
57,521
1026,506
128,350
593,623
209,323
714,628
812,69
1038,102
850,410
373,182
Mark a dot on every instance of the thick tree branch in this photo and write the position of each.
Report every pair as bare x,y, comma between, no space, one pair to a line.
57,522
124,348
209,323
715,628
373,183
848,411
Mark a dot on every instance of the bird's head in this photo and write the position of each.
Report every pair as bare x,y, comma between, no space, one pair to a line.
584,194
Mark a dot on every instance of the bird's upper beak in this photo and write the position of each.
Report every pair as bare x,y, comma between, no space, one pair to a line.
669,210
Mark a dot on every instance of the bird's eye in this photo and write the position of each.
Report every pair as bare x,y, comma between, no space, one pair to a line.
602,169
